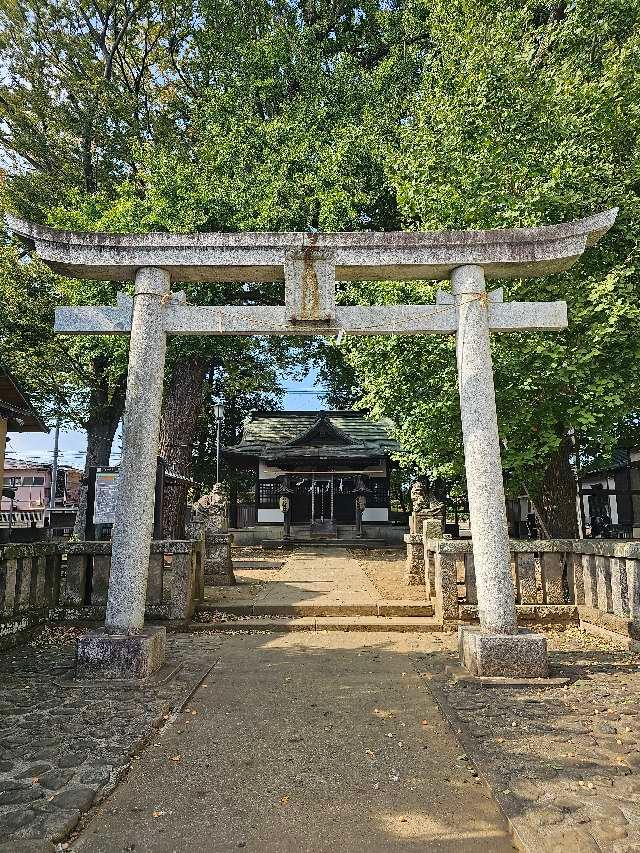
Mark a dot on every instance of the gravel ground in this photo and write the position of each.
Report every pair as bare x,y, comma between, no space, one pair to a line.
385,569
563,762
65,744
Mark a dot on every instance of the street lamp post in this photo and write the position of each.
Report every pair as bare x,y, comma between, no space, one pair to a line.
54,467
218,412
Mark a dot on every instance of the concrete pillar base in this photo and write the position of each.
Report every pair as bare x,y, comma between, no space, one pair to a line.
101,655
521,655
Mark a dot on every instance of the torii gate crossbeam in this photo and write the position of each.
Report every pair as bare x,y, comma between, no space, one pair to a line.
310,264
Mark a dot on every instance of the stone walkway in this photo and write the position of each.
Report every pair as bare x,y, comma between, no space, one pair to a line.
562,762
304,744
320,582
319,742
66,744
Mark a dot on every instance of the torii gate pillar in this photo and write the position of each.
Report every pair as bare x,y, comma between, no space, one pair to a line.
133,523
497,648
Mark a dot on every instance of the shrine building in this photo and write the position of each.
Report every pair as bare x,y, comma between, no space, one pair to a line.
321,456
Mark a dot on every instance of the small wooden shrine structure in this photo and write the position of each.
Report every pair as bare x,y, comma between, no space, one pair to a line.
323,457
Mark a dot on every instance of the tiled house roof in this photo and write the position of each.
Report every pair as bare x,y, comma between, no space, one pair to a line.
16,407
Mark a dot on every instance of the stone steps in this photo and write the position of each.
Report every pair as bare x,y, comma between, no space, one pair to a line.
298,542
323,623
404,609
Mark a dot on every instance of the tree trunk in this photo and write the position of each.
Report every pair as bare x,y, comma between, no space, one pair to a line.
558,494
177,429
101,429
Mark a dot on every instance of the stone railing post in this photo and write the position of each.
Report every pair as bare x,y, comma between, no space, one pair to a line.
183,583
589,580
632,570
446,583
619,591
414,574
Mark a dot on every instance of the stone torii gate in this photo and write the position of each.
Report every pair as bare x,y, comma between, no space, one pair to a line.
310,264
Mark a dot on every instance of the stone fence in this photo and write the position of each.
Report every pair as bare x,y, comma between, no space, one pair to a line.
595,581
30,577
64,582
175,582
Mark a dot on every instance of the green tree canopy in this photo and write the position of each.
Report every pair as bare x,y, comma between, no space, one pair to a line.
526,114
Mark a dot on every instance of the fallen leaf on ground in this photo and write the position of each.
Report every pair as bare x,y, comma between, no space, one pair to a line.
284,800
176,758
158,814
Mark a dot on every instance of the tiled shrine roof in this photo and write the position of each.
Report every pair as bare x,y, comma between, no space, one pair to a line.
272,436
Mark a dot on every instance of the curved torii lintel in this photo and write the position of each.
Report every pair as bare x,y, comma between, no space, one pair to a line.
367,255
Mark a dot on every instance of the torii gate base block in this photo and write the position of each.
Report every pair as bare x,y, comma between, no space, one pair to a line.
102,655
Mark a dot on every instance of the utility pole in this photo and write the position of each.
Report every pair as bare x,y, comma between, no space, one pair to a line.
54,467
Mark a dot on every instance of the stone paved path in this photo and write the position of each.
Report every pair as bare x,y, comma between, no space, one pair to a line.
327,581
304,743
65,744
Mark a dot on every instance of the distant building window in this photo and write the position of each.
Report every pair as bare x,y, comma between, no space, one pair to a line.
38,481
268,494
12,481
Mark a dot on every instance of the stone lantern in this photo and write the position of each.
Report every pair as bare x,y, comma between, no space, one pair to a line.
360,490
284,502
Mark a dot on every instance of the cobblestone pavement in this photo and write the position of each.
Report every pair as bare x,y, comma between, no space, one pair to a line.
64,745
562,762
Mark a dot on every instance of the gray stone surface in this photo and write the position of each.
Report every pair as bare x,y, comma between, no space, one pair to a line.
485,489
310,285
521,655
503,253
526,578
210,524
29,582
218,567
553,588
562,762
470,587
276,320
132,529
414,571
89,732
102,654
314,743
446,587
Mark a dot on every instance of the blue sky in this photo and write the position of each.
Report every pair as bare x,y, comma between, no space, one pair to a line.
39,446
